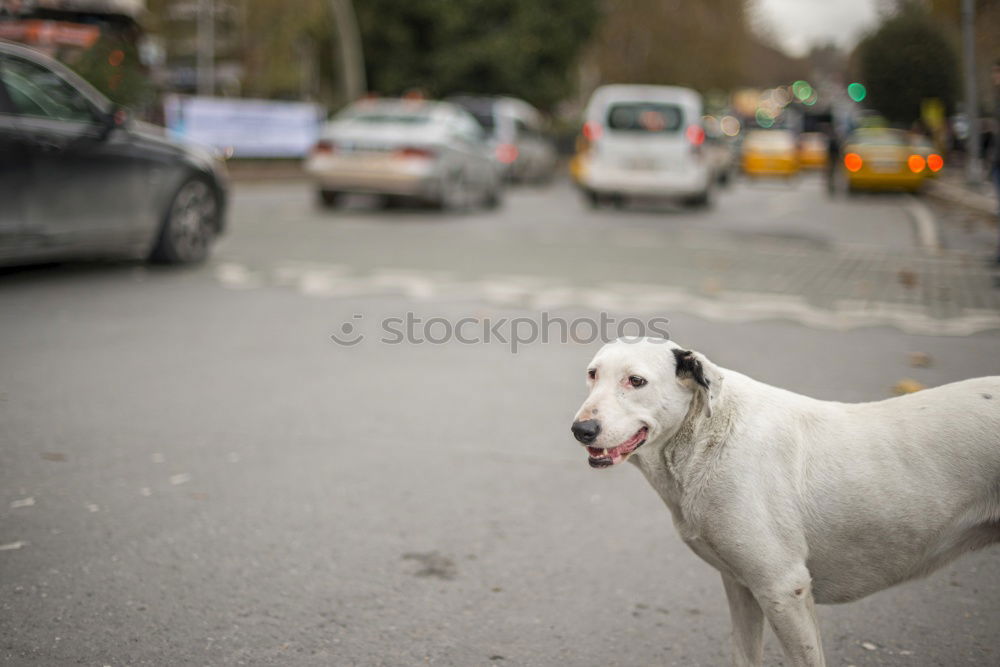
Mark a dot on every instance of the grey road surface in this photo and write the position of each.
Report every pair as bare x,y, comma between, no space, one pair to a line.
192,472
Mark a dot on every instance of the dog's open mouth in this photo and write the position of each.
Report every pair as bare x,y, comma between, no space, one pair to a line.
603,458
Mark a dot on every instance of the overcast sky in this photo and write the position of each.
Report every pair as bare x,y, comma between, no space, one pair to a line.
798,24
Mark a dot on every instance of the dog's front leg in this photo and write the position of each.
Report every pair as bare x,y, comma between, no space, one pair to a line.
748,624
788,603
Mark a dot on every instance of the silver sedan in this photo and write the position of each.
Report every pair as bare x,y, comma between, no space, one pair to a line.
402,149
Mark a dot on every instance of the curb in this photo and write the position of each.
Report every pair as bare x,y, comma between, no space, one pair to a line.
957,194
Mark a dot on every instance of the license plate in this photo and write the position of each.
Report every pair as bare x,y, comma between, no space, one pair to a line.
885,166
641,164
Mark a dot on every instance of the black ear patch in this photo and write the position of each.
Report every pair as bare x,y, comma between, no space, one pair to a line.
689,366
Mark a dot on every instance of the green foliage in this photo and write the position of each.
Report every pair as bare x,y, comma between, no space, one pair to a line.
525,48
125,82
908,59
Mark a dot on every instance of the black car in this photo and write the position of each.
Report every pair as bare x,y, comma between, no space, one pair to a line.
80,177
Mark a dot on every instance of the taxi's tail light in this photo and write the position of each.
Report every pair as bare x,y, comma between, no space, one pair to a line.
916,163
853,162
935,162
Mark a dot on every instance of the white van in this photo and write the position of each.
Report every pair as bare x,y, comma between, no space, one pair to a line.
644,141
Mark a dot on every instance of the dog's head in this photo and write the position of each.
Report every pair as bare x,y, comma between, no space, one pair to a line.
641,390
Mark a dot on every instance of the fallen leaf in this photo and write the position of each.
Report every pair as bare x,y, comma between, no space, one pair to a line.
53,456
908,278
906,386
920,359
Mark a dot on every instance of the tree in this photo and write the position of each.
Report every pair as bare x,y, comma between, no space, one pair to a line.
906,60
525,48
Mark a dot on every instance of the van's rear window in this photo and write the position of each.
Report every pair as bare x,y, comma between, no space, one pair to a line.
644,117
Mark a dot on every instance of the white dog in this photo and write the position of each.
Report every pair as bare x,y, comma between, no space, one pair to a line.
795,500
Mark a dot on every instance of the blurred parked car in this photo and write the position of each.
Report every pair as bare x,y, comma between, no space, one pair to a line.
643,141
515,131
770,153
813,150
884,159
78,176
406,148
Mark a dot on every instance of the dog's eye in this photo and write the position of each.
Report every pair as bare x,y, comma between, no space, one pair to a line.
636,381
592,373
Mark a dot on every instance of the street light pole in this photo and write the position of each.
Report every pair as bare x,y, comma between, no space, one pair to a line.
973,173
352,59
206,47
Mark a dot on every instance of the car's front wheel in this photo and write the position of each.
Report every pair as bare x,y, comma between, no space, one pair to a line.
190,224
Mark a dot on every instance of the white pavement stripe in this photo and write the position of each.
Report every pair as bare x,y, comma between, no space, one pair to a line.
534,292
925,224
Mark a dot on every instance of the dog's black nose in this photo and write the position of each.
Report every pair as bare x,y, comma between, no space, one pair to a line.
586,431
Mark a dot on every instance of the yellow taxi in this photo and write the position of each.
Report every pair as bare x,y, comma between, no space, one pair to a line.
813,152
770,153
885,159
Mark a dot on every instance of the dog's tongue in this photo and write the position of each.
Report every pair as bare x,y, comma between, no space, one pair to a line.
604,458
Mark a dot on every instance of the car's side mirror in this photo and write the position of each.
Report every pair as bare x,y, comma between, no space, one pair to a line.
115,118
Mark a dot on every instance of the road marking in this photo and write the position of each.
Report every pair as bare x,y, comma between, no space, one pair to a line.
536,292
925,224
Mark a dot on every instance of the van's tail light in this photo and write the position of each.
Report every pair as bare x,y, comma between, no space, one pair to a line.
412,152
935,162
916,163
853,161
695,135
324,146
506,153
592,131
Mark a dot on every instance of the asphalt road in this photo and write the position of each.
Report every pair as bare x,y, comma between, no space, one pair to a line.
193,472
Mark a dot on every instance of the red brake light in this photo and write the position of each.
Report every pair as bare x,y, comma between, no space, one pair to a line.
916,163
323,146
695,134
935,162
507,153
853,161
411,152
592,131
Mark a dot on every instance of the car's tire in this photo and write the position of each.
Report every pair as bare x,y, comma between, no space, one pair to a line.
190,223
593,199
493,199
453,196
700,200
328,198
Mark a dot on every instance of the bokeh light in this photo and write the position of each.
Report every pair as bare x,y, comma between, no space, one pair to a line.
764,119
935,162
857,91
730,126
853,161
916,163
802,90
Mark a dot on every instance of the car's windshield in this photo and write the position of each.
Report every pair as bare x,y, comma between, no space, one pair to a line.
771,139
878,138
644,117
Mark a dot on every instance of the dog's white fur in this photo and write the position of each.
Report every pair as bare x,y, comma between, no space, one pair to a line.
799,501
